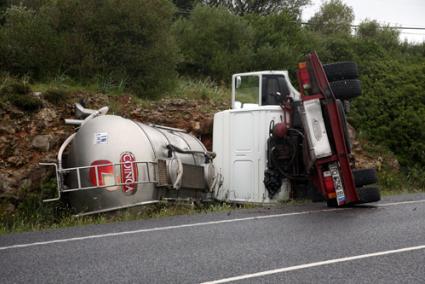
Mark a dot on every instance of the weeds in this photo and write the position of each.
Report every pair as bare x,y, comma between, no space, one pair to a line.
56,96
19,94
34,215
200,89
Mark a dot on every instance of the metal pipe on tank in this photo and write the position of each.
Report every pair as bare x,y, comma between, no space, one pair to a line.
62,149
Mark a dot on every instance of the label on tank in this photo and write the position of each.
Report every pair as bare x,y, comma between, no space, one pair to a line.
129,173
101,138
101,174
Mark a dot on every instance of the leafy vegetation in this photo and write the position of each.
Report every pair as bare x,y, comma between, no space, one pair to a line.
19,94
33,215
259,7
334,17
56,96
129,41
214,43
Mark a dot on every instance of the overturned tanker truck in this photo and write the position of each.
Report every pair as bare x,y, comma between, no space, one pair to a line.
114,163
273,143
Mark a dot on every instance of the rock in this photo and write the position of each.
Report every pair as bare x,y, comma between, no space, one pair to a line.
7,183
42,142
7,129
7,147
196,126
37,175
178,102
16,161
45,117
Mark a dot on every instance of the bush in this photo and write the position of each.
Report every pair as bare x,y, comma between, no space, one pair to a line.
12,86
277,39
26,102
392,108
19,94
56,96
28,44
128,40
214,43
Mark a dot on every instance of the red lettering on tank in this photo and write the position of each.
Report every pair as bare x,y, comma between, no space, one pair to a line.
129,172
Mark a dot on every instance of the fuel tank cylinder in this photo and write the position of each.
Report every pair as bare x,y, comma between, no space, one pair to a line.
115,162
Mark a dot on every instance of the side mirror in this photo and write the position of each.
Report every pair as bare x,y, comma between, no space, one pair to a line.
237,105
238,82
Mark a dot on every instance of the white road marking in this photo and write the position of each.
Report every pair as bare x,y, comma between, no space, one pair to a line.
313,264
399,203
169,228
194,225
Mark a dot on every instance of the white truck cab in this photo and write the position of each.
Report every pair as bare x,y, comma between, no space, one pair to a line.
241,133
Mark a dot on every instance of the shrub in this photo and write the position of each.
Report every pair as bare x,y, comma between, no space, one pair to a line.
392,109
26,102
56,96
128,40
12,86
214,43
19,94
28,44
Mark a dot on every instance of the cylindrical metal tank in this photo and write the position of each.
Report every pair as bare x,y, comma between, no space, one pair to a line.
115,162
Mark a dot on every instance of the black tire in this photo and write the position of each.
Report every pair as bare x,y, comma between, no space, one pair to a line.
364,177
341,71
346,89
368,194
344,125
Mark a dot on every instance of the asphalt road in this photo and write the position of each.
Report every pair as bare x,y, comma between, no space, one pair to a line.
380,243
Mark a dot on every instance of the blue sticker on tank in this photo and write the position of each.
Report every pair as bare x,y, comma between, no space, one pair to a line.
101,138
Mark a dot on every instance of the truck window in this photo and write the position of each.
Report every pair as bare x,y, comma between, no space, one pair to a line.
247,89
275,90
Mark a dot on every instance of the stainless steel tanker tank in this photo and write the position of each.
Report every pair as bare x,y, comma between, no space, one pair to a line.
114,162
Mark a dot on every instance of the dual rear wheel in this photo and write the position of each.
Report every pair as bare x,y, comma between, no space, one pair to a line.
345,85
343,80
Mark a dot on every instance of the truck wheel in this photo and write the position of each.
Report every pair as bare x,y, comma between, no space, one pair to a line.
346,89
368,194
364,177
341,71
344,125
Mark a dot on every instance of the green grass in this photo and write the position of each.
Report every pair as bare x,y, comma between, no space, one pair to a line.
49,216
34,215
18,93
199,89
68,85
185,88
